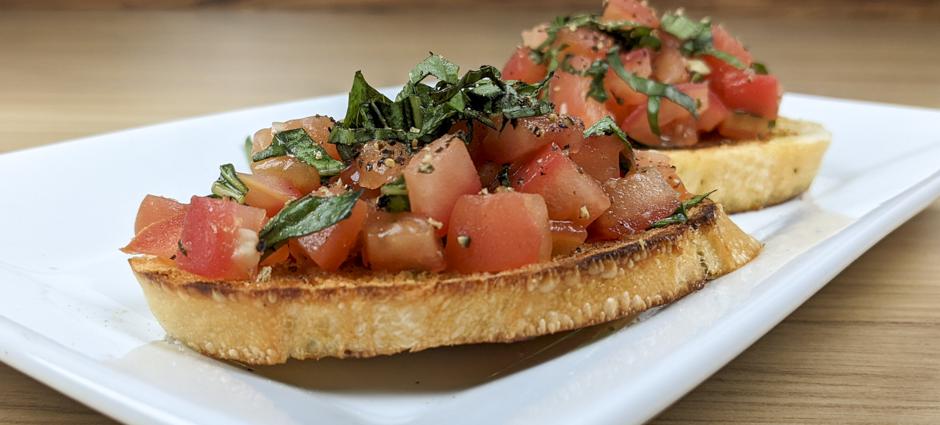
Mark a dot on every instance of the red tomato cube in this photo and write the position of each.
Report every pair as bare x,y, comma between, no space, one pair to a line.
268,191
219,239
439,174
568,92
630,11
600,157
566,236
330,247
521,67
159,238
526,136
713,115
156,208
496,232
569,193
637,201
405,241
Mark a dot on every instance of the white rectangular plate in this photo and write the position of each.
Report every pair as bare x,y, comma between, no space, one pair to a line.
73,316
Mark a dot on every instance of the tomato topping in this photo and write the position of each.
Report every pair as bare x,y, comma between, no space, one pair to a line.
330,247
715,113
668,64
744,127
156,208
632,11
622,99
568,92
745,91
159,238
569,193
295,172
381,162
523,137
404,241
439,174
566,237
279,255
318,128
637,201
725,42
268,191
521,67
219,239
496,232
600,157
661,162
584,42
682,133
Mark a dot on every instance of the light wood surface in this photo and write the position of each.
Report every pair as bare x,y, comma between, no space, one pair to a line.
863,350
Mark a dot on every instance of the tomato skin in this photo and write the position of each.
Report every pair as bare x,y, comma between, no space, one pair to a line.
219,239
723,40
566,237
505,230
744,127
267,191
630,10
521,67
330,247
569,194
381,162
716,112
404,241
437,176
637,200
745,91
156,208
526,136
680,134
568,92
297,173
622,99
583,42
159,238
661,162
669,66
600,157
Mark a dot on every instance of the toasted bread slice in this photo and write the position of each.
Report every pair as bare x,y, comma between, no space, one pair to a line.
359,313
751,175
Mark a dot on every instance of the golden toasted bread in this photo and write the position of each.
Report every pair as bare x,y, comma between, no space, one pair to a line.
750,175
359,313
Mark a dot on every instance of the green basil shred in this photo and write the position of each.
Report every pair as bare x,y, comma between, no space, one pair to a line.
299,144
681,214
229,185
304,216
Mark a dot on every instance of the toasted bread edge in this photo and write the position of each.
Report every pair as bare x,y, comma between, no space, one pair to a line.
357,313
750,175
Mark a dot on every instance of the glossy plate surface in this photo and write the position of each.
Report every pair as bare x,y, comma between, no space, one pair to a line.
73,316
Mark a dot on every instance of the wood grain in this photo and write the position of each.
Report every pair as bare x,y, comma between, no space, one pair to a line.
863,350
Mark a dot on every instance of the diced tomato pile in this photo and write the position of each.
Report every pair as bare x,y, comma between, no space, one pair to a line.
537,188
734,102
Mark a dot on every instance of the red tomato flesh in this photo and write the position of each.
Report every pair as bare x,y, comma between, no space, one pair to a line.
439,174
526,136
566,237
745,91
219,239
318,128
330,247
630,10
298,174
156,208
404,241
583,42
159,238
268,191
622,99
713,115
569,193
680,135
381,162
600,157
744,127
521,67
722,40
496,232
637,201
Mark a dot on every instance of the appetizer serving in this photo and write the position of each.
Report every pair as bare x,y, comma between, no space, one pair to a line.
685,87
467,211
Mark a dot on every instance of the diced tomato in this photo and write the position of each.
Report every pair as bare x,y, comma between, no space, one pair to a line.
381,162
725,42
521,67
622,99
330,247
661,162
716,112
630,10
219,239
744,127
156,208
566,236
526,136
298,174
279,255
489,174
669,65
405,241
439,174
569,94
679,135
261,140
637,200
496,232
569,193
159,238
269,192
318,127
745,91
600,157
583,42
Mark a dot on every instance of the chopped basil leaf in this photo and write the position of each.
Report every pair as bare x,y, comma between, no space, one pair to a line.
682,27
605,127
759,68
248,148
396,187
304,216
394,196
696,37
652,113
653,89
437,66
681,214
727,57
229,185
299,144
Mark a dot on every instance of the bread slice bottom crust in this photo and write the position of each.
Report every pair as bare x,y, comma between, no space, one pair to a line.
750,175
359,313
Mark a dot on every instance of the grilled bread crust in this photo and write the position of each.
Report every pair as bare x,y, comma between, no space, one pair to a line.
750,175
359,313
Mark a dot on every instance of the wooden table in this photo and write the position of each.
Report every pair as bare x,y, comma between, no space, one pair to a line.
864,349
